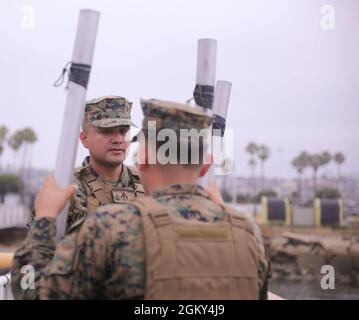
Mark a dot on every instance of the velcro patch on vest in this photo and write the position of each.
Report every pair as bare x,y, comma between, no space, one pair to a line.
202,232
121,196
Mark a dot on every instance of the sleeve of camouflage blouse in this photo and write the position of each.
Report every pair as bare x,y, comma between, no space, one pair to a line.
31,219
78,265
74,270
32,257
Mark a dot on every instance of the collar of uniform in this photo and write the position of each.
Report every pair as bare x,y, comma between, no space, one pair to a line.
193,189
124,180
86,161
86,165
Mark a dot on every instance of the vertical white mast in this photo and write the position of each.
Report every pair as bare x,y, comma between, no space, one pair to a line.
78,79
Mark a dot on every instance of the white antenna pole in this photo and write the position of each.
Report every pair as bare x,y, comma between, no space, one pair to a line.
220,108
206,74
79,75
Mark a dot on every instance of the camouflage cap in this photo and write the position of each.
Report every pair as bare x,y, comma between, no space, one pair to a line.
173,115
108,111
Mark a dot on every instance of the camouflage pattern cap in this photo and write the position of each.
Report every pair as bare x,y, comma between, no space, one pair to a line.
173,115
108,111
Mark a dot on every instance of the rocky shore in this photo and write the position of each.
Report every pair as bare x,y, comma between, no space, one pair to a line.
300,253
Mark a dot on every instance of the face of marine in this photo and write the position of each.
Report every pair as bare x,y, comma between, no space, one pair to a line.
107,146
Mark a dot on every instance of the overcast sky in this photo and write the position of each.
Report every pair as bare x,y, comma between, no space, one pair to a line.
294,84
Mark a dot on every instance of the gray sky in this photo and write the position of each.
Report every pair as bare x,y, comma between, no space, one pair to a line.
294,84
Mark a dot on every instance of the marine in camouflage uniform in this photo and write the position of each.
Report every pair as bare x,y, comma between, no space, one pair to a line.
93,190
176,244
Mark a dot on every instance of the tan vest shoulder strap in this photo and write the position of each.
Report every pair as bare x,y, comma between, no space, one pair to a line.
149,206
133,170
238,219
78,170
136,179
95,187
134,173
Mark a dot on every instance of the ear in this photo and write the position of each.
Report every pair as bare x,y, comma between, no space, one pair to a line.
204,169
207,164
83,138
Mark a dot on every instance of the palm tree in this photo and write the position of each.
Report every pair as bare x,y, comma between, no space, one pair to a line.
325,157
252,149
32,138
300,163
263,153
252,165
315,161
339,159
28,137
3,133
15,141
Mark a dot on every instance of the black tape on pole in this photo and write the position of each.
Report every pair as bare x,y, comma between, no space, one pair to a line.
204,96
219,123
80,74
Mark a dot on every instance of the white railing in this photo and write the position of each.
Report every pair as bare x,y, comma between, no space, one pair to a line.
5,288
13,215
6,293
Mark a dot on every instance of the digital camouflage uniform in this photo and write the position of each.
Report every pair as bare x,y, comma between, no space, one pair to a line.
93,190
109,256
